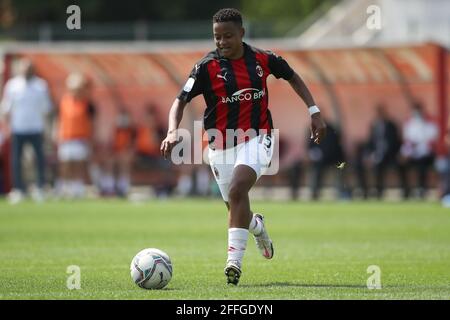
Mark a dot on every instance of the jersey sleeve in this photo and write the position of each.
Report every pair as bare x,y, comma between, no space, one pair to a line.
194,84
279,67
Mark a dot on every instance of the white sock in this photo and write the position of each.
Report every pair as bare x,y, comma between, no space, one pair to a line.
237,243
255,226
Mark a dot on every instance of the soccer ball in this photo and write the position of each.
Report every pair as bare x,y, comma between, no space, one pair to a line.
151,269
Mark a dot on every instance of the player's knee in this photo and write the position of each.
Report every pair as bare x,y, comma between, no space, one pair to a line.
238,190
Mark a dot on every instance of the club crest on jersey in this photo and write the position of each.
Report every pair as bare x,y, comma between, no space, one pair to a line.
259,71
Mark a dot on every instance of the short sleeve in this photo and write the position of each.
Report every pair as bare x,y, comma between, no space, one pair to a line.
279,67
194,84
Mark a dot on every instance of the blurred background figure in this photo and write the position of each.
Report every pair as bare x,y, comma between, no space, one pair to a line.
384,146
25,104
362,154
443,166
124,145
2,161
101,168
356,54
75,118
293,173
328,154
149,135
417,151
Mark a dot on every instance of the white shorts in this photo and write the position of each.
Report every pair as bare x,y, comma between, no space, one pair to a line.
73,150
255,153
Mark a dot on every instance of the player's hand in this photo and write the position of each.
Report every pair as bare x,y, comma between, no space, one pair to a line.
318,128
168,143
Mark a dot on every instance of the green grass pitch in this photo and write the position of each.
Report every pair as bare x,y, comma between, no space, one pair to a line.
322,250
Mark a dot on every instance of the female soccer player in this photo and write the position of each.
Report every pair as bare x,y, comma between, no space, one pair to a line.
232,79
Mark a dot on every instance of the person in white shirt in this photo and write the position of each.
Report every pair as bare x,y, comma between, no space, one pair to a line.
25,104
419,139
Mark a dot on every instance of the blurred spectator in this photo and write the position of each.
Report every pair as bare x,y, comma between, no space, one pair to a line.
328,154
124,143
417,150
2,164
25,103
195,180
360,167
444,170
384,146
101,167
149,133
294,173
148,140
289,168
75,121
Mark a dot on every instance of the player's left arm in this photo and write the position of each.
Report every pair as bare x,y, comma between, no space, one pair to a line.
281,69
318,126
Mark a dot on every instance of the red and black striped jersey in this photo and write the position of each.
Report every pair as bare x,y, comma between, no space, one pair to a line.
235,91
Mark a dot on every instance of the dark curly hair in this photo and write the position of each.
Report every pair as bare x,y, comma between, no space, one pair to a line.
228,14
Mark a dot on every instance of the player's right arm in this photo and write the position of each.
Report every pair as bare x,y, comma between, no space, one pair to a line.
192,88
175,116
